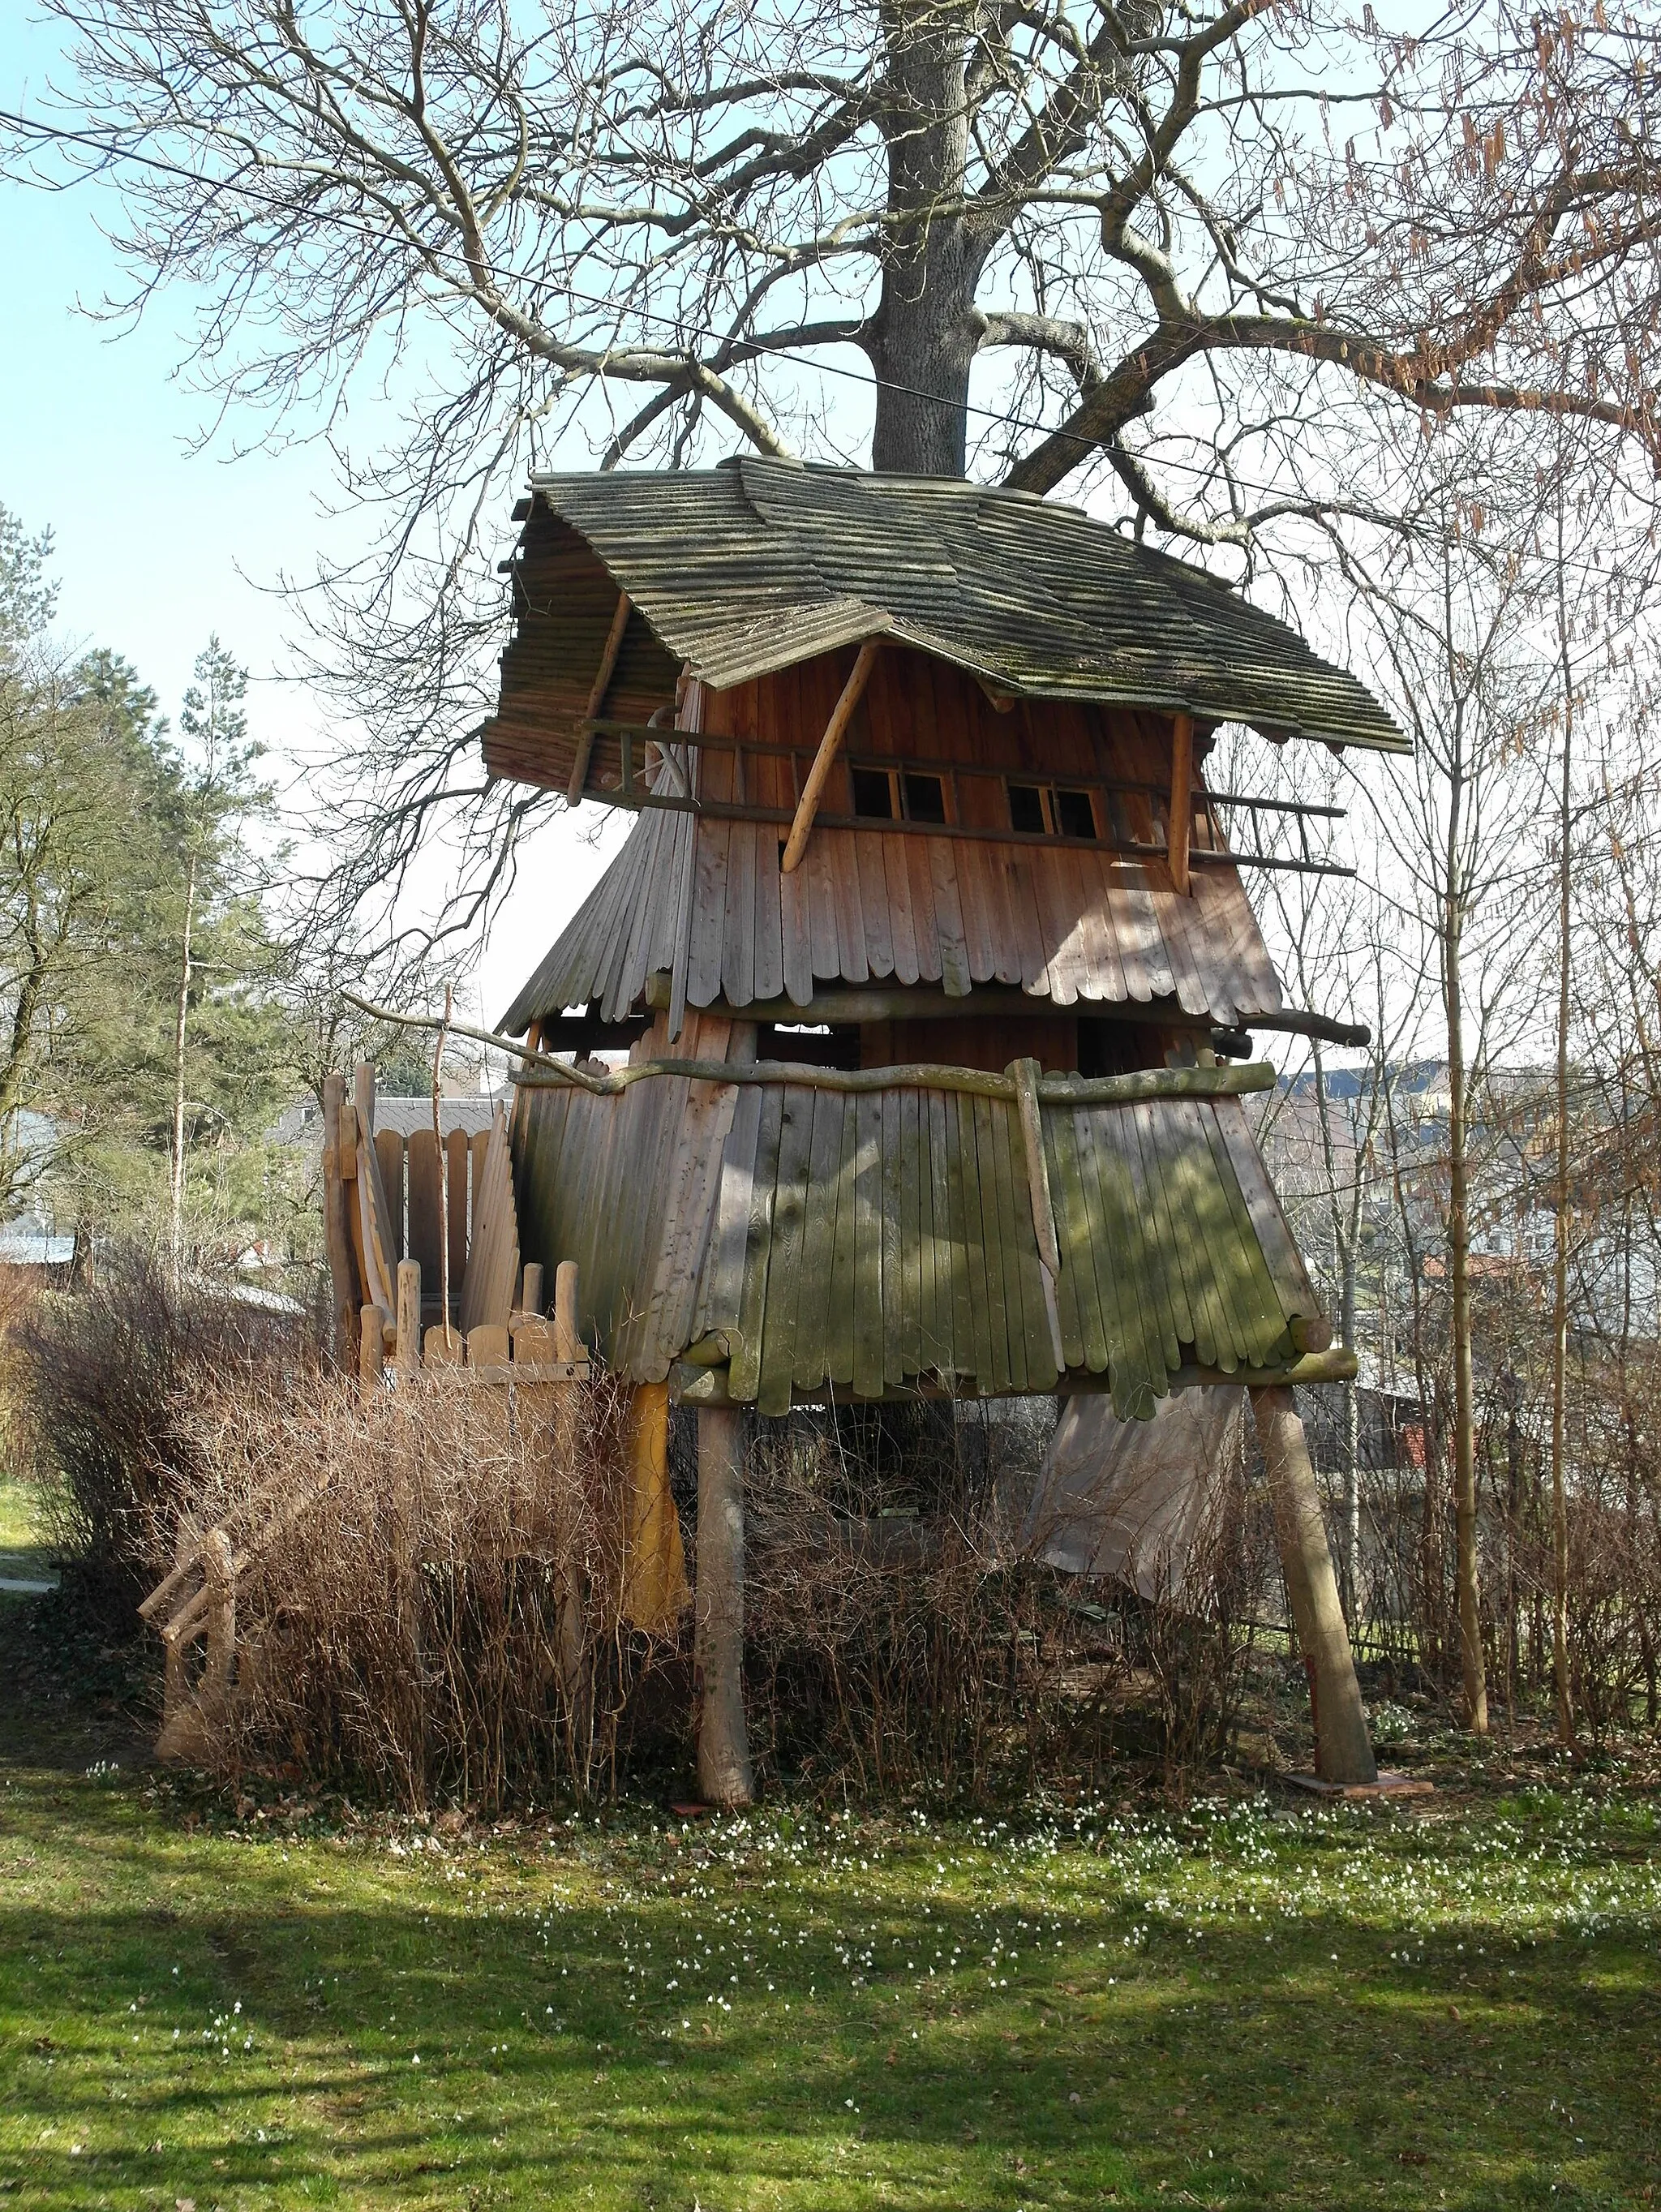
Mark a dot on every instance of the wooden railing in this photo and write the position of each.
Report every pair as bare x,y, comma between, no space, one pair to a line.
655,771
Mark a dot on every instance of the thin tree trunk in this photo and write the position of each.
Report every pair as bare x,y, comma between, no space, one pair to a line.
1472,1670
180,1020
1560,1558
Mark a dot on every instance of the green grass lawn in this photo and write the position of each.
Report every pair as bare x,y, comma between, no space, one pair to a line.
1457,2004
22,1550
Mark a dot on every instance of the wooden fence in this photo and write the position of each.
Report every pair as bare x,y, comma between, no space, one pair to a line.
400,1215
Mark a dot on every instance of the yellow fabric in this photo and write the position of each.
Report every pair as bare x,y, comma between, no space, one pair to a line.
655,1591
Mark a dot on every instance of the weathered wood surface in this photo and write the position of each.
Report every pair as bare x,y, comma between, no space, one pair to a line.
1076,926
493,1260
865,1240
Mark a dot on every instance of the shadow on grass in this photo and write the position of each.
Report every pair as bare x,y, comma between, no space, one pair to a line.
213,2021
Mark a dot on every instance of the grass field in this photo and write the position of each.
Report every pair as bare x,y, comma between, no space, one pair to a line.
1457,2004
22,1553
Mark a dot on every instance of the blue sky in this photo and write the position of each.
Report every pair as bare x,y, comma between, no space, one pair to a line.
156,546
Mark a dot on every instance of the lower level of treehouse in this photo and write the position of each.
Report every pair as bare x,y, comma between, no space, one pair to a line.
787,1233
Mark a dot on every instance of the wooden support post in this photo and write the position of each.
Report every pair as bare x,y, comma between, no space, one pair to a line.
371,1350
1182,799
568,1335
531,1298
829,745
601,685
1024,1074
409,1351
1344,1749
724,1775
336,1229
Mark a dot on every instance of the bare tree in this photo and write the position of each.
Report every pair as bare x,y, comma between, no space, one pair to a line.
1458,834
1181,235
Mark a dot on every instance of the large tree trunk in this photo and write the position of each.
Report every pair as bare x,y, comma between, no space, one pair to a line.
927,329
725,1777
1344,1749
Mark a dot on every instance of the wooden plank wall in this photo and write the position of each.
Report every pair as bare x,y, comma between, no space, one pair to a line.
858,1242
1071,923
626,1187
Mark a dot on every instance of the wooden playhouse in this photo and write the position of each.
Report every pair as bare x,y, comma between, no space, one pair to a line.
933,958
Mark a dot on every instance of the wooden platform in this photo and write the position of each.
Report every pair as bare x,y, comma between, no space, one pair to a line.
1387,1785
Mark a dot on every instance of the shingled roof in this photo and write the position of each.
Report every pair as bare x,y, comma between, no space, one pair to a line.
759,564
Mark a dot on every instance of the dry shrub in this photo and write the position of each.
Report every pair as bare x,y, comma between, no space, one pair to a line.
894,1637
1195,1633
432,1611
436,1614
107,1380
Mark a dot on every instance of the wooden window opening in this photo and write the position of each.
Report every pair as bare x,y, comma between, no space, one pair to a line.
892,794
1050,810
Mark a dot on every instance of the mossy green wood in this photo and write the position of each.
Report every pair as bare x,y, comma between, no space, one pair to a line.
818,1251
1076,1286
894,1289
865,1241
868,1380
840,1356
942,1337
777,1376
746,1371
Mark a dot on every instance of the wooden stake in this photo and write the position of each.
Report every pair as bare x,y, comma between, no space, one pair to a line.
1344,1749
725,1775
567,1332
371,1350
531,1298
336,1231
1182,799
409,1351
601,684
829,747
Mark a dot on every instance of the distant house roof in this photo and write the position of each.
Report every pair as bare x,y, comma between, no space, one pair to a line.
759,564
27,1243
302,1124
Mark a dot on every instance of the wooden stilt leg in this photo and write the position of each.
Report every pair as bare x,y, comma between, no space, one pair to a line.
1343,1750
724,1775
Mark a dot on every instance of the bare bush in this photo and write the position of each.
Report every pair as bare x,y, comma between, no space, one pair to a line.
436,1611
894,1646
438,1614
105,1380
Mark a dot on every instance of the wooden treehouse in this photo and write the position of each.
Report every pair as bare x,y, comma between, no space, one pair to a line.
932,952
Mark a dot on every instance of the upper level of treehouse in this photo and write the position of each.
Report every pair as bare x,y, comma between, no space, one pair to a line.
908,752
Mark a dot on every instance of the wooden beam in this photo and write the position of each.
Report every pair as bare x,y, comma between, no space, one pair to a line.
691,1383
614,645
1182,799
829,745
725,1776
1344,1749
